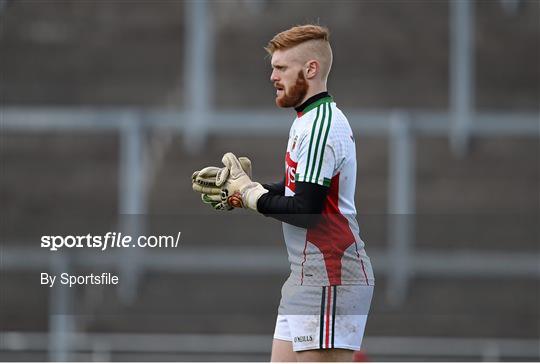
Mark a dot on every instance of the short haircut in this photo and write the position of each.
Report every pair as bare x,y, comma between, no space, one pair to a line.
297,35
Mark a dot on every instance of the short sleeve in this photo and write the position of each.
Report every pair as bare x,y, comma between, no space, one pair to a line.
316,157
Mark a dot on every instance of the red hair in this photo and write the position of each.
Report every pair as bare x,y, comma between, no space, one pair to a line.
297,35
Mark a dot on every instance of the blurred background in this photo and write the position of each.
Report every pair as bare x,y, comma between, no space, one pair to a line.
108,107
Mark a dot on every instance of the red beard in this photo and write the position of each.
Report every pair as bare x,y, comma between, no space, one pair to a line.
295,95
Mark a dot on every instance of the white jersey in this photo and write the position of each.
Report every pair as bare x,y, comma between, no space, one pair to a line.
321,150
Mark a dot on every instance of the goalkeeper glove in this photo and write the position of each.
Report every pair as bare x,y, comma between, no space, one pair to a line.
204,182
237,188
215,202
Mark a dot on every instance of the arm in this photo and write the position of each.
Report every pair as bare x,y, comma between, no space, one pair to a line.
277,188
303,209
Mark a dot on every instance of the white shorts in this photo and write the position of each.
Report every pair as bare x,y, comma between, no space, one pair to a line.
339,321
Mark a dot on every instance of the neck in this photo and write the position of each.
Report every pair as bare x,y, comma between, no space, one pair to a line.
312,91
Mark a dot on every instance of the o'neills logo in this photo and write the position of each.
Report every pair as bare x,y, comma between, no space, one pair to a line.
290,171
303,339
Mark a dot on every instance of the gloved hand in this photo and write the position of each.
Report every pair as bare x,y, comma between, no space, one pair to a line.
215,202
204,182
237,188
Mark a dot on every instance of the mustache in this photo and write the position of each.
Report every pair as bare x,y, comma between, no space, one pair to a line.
279,86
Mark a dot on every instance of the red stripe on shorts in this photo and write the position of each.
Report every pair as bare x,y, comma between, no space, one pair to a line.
328,309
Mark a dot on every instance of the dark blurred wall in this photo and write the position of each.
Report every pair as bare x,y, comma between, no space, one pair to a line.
387,54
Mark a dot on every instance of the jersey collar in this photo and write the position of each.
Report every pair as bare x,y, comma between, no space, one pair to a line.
312,103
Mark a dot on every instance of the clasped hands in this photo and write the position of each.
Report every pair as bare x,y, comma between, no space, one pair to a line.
230,186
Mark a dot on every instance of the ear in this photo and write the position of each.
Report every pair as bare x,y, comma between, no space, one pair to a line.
311,69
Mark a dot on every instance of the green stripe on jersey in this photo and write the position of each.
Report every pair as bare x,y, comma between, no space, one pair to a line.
311,142
320,127
324,141
316,104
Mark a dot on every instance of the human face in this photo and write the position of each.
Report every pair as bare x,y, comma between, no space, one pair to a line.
288,79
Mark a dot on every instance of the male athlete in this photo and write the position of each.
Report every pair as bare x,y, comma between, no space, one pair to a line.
326,299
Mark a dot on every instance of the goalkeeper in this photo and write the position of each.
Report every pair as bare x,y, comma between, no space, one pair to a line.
326,299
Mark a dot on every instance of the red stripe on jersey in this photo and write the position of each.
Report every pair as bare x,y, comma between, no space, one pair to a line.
305,257
328,309
332,235
364,270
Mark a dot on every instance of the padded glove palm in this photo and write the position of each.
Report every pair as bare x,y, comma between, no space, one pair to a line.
237,188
